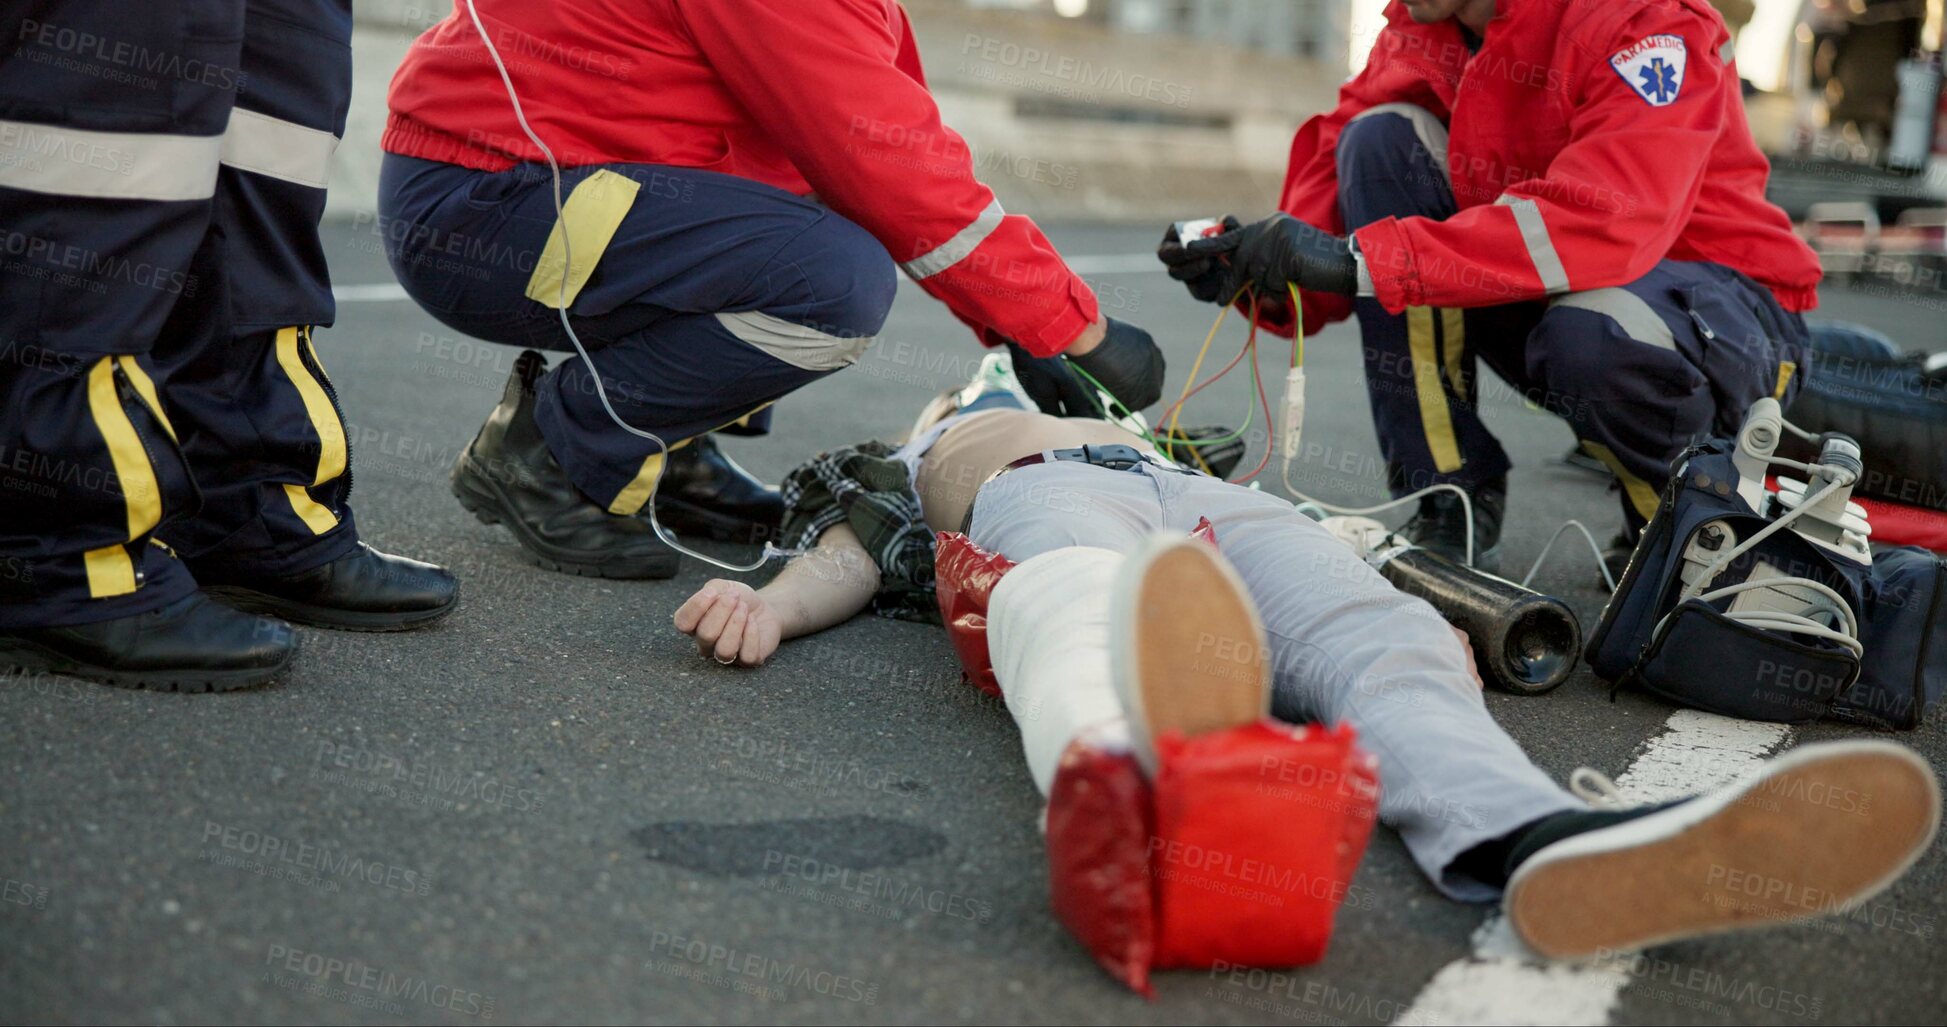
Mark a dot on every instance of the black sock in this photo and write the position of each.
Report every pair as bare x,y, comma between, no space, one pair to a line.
1488,862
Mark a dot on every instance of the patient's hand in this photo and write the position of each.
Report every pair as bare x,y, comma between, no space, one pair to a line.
1466,644
731,623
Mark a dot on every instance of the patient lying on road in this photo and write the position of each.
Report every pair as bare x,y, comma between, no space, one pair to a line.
1078,505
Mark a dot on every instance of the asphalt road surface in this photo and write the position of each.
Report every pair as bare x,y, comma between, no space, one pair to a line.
530,812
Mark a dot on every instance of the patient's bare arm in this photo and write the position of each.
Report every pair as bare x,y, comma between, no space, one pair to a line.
735,623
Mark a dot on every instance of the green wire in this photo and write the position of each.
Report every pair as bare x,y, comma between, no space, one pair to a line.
1150,437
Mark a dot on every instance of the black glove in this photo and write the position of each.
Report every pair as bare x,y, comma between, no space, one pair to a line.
1203,274
1278,250
1053,385
1127,363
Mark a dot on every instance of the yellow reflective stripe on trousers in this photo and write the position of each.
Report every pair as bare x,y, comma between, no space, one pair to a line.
1785,369
324,420
1641,497
110,571
589,219
1435,418
1453,340
630,500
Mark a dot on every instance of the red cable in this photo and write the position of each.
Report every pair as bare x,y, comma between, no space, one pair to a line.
1270,429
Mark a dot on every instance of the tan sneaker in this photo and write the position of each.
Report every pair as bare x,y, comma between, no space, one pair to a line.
1187,651
1819,830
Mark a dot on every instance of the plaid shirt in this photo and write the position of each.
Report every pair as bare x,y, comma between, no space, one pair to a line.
864,488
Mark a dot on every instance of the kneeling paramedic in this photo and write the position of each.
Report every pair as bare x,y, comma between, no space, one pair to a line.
741,181
1568,190
164,421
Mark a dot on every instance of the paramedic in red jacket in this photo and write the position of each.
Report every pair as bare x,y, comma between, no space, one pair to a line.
1566,188
741,180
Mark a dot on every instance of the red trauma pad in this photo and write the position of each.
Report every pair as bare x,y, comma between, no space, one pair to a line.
1258,832
1098,860
1239,854
964,576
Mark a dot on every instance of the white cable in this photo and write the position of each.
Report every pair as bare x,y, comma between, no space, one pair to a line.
1777,620
601,391
1601,564
1466,503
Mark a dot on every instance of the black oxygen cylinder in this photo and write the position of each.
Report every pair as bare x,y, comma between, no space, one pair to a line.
1524,642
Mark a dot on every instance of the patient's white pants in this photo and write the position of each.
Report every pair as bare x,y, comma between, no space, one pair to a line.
1346,646
1048,636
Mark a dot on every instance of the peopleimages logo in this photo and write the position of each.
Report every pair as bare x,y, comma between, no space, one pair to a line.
737,962
428,777
351,979
321,859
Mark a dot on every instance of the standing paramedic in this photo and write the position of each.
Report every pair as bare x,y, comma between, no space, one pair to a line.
168,436
741,180
1566,188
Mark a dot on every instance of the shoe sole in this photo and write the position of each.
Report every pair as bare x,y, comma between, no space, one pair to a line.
1821,830
251,601
485,502
1187,651
19,655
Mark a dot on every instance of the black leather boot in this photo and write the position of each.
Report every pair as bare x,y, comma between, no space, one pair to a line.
1441,525
507,476
364,590
703,492
190,645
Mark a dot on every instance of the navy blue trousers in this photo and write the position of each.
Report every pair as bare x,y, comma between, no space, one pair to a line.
715,296
162,172
1638,371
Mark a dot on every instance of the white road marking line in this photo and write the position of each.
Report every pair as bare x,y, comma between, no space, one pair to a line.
1504,983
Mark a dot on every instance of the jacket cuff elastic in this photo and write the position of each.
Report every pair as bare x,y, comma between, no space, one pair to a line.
1389,261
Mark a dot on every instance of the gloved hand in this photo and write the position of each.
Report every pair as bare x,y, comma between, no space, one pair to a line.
1203,274
1052,384
1278,250
1127,363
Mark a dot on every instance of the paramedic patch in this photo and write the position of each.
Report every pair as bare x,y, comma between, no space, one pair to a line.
1653,66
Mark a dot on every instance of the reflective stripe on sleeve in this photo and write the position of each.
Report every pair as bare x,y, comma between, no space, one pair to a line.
66,161
1541,249
958,248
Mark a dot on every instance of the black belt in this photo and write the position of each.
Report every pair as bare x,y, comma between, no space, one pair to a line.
1113,456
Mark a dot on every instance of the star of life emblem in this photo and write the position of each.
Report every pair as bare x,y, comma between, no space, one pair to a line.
1653,67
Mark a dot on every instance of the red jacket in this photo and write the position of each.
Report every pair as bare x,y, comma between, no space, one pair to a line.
823,97
1589,139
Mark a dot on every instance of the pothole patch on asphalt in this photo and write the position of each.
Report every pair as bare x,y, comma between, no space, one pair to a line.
854,842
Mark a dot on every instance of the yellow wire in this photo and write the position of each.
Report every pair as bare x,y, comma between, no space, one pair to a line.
1297,326
1190,382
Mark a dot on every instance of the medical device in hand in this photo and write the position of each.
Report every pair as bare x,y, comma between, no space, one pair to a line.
1190,231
